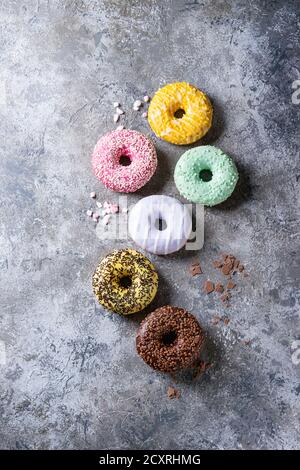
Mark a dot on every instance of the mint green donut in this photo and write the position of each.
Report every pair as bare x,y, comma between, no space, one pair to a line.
205,175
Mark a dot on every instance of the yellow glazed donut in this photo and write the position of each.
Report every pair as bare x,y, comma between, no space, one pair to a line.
125,281
180,113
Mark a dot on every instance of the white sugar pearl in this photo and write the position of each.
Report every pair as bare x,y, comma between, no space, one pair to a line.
119,111
137,104
116,117
96,217
99,204
93,194
113,209
105,219
89,213
146,98
125,210
116,104
120,128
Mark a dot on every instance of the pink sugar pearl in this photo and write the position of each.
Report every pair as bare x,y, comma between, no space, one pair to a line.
134,147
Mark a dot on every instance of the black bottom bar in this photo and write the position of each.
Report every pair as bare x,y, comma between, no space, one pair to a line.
136,458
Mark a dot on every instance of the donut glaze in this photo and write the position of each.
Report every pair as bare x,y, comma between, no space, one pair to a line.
195,108
223,175
169,339
139,153
145,230
140,287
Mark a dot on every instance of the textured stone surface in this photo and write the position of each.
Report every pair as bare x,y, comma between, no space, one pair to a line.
72,378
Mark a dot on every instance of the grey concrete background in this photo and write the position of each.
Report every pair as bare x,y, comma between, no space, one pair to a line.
71,378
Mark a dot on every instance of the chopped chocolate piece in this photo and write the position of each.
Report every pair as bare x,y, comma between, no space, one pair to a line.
195,269
173,393
246,342
226,269
226,320
216,319
229,259
209,287
231,285
219,288
230,262
241,268
225,296
217,264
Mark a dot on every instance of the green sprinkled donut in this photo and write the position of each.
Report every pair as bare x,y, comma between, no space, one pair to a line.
205,175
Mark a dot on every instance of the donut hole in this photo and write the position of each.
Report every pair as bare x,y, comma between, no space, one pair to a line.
160,224
205,175
169,338
125,282
179,113
125,160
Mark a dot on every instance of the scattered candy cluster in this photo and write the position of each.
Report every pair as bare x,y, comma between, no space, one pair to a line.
137,106
228,265
104,210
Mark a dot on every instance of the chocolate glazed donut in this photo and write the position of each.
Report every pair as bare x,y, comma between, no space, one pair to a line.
169,339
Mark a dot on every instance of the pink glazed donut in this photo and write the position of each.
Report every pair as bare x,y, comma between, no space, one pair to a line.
124,160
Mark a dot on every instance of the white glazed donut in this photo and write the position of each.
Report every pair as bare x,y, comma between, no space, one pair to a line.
160,224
